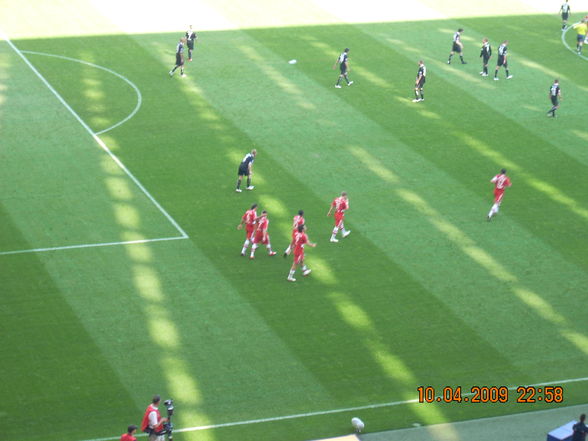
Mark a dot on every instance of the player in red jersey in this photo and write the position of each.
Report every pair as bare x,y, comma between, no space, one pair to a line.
296,222
340,205
300,239
261,235
248,219
500,181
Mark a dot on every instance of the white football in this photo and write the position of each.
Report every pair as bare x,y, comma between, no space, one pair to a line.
357,424
292,61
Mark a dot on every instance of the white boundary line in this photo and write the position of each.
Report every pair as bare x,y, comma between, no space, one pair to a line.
563,39
122,77
183,234
348,409
90,245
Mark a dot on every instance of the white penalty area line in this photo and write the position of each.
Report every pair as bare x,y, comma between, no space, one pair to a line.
333,411
96,138
91,245
563,39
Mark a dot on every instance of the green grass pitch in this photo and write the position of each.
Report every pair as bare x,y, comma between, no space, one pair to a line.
424,292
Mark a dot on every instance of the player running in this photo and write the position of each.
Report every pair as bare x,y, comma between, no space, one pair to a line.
248,219
340,205
300,239
179,58
555,96
296,222
419,83
343,62
500,181
260,235
457,47
246,169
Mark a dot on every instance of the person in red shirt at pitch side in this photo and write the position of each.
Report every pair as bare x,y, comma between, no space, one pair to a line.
248,219
261,235
152,422
296,222
130,435
500,181
340,205
300,239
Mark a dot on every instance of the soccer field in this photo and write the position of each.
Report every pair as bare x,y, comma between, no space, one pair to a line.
120,270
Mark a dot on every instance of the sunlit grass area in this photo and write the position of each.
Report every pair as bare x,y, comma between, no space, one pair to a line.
119,254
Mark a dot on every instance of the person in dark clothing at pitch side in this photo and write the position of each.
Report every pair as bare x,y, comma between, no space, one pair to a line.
246,169
580,429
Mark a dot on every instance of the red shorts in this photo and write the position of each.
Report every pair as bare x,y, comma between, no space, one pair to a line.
339,217
259,238
298,256
249,231
498,196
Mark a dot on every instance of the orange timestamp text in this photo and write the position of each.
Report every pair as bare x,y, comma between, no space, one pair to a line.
490,394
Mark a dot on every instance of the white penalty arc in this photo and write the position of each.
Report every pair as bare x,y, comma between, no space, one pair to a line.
565,43
94,135
105,69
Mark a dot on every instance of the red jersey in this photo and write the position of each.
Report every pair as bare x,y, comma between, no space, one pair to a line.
263,223
297,221
249,217
500,182
299,240
145,422
127,437
340,204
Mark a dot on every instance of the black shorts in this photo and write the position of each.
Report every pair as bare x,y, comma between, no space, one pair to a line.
485,59
501,61
190,44
179,60
580,38
456,48
343,69
554,101
243,170
564,15
421,83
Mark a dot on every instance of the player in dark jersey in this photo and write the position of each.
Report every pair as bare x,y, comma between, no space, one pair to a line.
502,61
565,13
485,55
554,96
343,62
246,169
179,58
457,46
420,83
191,37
